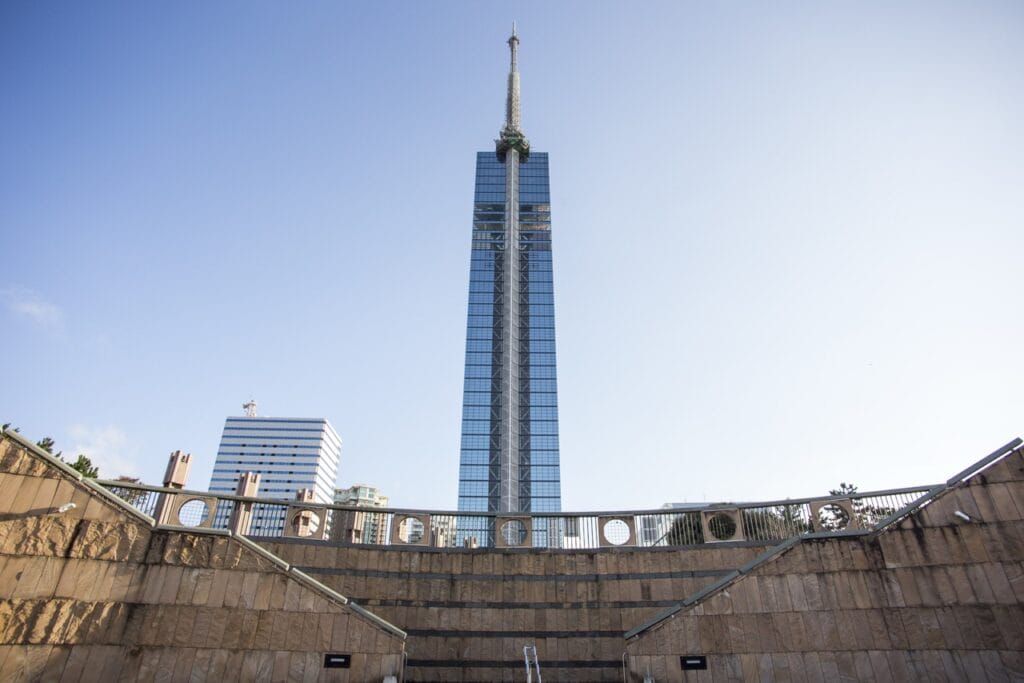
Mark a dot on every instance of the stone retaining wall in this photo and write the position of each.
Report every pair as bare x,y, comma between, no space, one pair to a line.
469,613
97,594
934,598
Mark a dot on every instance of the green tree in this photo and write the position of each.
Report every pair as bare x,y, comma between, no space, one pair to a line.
868,515
47,444
133,496
82,464
774,524
764,524
844,490
85,467
686,529
795,518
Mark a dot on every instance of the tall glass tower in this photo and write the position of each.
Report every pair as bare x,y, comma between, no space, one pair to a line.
509,459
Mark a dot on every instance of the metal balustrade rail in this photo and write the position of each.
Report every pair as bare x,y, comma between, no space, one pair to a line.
874,513
769,521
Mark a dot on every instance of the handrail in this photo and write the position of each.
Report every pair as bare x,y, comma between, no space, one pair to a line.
754,522
698,507
101,488
760,522
931,494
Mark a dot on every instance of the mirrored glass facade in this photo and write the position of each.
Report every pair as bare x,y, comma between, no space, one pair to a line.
536,483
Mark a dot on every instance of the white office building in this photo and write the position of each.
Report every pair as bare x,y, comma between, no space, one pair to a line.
361,495
361,527
289,453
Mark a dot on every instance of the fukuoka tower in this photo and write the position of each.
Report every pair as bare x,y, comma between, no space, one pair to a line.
509,454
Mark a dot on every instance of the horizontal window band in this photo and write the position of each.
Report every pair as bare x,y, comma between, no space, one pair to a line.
258,451
235,432
273,420
268,437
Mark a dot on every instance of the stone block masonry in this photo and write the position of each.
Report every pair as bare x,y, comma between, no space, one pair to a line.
469,613
96,593
934,597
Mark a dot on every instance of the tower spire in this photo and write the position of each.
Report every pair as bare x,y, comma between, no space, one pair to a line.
512,134
512,99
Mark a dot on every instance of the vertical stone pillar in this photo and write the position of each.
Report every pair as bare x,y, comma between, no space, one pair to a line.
300,523
175,477
241,513
177,470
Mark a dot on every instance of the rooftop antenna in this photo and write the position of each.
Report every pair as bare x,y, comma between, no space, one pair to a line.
512,114
250,407
512,136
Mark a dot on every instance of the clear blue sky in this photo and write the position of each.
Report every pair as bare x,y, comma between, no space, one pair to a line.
788,236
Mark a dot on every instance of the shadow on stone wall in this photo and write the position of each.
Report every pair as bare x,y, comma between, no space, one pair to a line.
92,591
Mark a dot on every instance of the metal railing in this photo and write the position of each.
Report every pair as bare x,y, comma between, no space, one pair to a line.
767,522
875,512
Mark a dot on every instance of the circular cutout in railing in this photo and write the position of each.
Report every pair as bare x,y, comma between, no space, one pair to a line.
616,531
722,526
410,530
513,532
193,513
833,517
305,523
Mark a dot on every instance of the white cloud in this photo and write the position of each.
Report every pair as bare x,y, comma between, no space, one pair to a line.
108,447
30,304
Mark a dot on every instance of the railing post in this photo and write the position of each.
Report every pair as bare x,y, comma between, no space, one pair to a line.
302,520
241,513
175,477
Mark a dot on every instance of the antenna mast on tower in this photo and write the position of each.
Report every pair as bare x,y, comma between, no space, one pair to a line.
250,407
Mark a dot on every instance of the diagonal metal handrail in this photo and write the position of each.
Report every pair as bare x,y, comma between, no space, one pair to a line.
931,494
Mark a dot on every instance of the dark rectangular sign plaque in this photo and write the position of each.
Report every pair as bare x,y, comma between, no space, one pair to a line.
337,661
690,662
